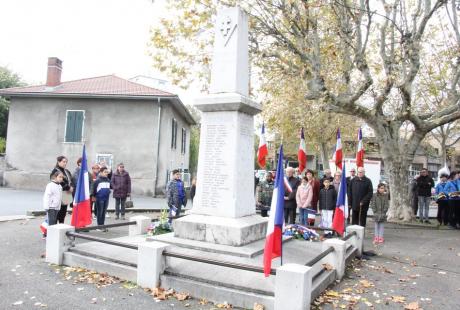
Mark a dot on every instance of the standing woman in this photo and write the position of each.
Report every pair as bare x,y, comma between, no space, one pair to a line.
121,185
66,184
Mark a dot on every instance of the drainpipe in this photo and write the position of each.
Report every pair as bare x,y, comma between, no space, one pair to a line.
158,146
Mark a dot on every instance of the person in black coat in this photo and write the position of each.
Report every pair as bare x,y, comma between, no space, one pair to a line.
66,184
360,194
290,204
424,185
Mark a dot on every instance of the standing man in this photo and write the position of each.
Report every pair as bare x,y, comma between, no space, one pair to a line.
360,194
349,178
264,194
413,195
121,185
290,204
175,195
424,185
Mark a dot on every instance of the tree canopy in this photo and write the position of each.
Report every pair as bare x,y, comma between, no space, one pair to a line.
372,60
7,79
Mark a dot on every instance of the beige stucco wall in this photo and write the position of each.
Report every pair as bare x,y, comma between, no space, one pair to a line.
125,128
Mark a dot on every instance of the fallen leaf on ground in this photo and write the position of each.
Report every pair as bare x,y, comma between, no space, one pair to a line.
398,299
412,306
258,306
403,280
203,301
18,303
332,293
327,266
442,272
182,296
224,305
94,300
366,283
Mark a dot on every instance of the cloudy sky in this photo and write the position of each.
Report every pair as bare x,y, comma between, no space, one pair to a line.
91,37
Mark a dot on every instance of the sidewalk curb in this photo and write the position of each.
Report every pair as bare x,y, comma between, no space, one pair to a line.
416,225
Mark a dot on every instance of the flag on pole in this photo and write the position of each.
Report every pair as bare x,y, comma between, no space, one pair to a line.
360,152
338,222
262,152
338,155
273,241
302,153
81,214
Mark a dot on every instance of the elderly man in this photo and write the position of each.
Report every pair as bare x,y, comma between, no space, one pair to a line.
360,194
290,204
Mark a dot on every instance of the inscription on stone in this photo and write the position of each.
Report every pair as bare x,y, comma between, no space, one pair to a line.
216,175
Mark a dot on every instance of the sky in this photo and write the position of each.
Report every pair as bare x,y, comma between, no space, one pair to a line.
91,37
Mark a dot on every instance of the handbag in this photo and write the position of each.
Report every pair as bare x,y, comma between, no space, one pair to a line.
129,203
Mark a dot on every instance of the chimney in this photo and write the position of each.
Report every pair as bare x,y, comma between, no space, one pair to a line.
53,77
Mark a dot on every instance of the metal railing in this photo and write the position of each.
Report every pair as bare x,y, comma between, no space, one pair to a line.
218,262
105,226
319,257
102,240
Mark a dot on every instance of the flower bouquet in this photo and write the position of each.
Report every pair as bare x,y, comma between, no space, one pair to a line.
301,232
160,227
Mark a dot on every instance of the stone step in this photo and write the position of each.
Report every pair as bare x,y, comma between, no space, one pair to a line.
100,264
216,292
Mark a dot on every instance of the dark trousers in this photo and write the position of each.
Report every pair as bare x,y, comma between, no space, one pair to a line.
61,214
454,212
414,202
52,216
289,215
101,209
120,205
443,212
359,216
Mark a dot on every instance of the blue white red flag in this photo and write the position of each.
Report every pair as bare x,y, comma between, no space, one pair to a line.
302,153
360,152
273,241
338,155
81,213
262,151
338,222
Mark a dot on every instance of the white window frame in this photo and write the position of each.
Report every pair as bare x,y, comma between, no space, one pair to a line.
82,126
104,156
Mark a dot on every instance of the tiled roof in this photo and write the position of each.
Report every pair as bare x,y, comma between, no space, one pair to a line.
109,85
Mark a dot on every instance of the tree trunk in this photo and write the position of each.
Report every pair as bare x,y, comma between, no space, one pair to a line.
400,198
324,155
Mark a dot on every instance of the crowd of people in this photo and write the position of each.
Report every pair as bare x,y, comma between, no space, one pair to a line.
446,193
60,191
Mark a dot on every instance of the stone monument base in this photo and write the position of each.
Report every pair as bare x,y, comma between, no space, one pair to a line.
221,230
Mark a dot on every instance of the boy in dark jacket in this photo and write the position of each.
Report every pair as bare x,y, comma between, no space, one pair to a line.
175,195
101,190
327,202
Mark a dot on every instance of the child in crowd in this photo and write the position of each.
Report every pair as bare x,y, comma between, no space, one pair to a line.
52,197
379,205
303,198
101,190
327,202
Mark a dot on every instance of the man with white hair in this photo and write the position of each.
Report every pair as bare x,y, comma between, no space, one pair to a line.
360,194
290,204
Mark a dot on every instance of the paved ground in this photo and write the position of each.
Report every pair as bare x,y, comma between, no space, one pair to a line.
27,280
414,265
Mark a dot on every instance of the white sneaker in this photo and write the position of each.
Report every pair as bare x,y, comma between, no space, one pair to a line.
107,216
94,217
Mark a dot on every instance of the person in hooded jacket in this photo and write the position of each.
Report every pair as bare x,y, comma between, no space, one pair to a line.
121,186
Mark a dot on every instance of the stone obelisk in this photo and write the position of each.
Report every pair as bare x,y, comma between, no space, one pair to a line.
224,206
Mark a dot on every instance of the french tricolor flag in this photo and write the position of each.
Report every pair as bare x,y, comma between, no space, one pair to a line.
338,222
302,153
262,152
81,214
338,155
360,152
273,241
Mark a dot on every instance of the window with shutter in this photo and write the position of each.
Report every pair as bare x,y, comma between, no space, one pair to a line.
183,141
174,134
74,126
